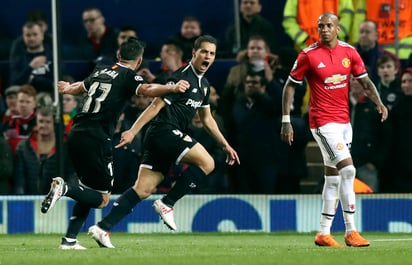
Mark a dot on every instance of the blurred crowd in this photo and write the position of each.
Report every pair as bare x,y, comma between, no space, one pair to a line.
247,106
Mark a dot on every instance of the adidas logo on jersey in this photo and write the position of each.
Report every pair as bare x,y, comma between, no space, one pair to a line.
321,65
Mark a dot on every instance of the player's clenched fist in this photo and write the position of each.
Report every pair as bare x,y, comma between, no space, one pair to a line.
181,86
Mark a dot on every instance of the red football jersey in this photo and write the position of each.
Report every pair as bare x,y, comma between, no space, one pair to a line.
328,72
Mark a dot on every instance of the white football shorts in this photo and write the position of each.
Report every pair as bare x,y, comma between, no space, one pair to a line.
334,140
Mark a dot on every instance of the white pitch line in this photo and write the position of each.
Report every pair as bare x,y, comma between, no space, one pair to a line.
393,239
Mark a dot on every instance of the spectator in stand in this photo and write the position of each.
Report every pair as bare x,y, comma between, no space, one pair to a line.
256,57
39,17
70,109
385,15
125,33
251,23
370,143
255,117
299,19
18,127
33,65
389,86
100,41
171,56
36,161
11,102
190,29
71,105
401,124
369,48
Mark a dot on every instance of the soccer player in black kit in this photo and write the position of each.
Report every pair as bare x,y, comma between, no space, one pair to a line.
166,142
106,92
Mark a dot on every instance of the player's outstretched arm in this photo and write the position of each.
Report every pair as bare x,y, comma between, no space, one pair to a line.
156,90
147,115
211,127
372,93
76,88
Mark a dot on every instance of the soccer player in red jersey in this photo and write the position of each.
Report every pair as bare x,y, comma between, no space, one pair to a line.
328,65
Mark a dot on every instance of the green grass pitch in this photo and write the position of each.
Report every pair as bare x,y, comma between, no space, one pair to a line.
205,248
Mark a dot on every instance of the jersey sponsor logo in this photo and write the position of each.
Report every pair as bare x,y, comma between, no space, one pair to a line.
346,62
193,103
321,65
336,81
138,78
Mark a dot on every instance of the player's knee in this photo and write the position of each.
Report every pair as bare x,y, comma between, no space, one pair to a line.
348,172
332,181
208,165
105,200
144,192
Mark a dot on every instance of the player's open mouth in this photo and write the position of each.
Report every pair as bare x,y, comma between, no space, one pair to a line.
205,64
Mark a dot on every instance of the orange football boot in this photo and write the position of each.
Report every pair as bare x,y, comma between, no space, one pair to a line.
326,241
354,239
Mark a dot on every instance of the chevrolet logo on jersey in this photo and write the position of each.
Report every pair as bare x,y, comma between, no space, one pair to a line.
335,79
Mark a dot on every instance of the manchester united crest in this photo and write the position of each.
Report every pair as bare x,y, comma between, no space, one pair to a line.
339,146
346,62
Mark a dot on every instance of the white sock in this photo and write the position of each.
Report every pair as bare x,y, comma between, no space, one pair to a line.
330,199
347,197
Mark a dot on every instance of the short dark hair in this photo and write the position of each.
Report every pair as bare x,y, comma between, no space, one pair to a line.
174,43
192,19
261,74
128,28
36,15
385,58
204,38
131,49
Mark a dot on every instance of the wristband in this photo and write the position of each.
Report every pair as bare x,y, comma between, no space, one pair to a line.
286,119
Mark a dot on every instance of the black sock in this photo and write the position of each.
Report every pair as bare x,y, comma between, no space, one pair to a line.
123,206
185,182
79,216
87,197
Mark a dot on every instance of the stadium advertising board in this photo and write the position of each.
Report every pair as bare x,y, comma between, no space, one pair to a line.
216,213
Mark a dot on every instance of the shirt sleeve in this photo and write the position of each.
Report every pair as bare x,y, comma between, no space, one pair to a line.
358,67
299,69
138,80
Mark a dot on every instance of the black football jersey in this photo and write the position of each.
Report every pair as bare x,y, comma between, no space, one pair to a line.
181,107
108,89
